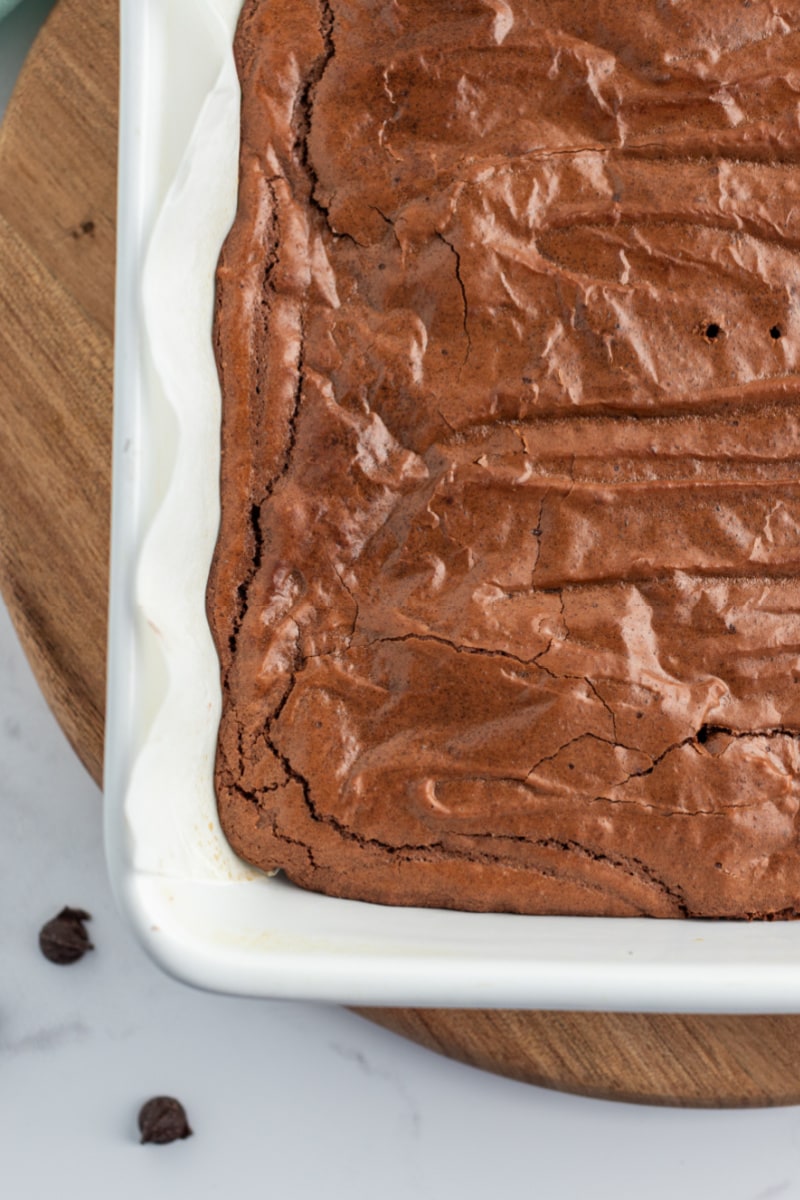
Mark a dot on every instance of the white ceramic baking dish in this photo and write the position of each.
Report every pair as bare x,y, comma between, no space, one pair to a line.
200,913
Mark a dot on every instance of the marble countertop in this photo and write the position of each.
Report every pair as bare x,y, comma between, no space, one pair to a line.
299,1099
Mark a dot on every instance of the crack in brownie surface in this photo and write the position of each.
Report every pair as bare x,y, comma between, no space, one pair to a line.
507,587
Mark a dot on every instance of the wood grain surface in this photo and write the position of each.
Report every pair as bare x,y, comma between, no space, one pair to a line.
57,221
57,210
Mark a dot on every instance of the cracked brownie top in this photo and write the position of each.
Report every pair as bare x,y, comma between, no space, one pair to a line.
506,591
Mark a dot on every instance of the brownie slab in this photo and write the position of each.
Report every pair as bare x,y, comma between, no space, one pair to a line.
507,588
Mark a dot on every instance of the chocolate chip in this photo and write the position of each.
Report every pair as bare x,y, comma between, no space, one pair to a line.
63,939
163,1120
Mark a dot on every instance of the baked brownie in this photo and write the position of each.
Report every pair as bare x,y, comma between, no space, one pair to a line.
507,588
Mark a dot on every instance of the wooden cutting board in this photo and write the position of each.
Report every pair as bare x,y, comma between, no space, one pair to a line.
57,212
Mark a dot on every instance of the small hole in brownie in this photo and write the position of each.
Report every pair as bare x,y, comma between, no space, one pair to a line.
713,331
718,866
571,766
775,332
702,734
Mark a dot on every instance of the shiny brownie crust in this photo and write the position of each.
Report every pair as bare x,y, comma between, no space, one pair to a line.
506,591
